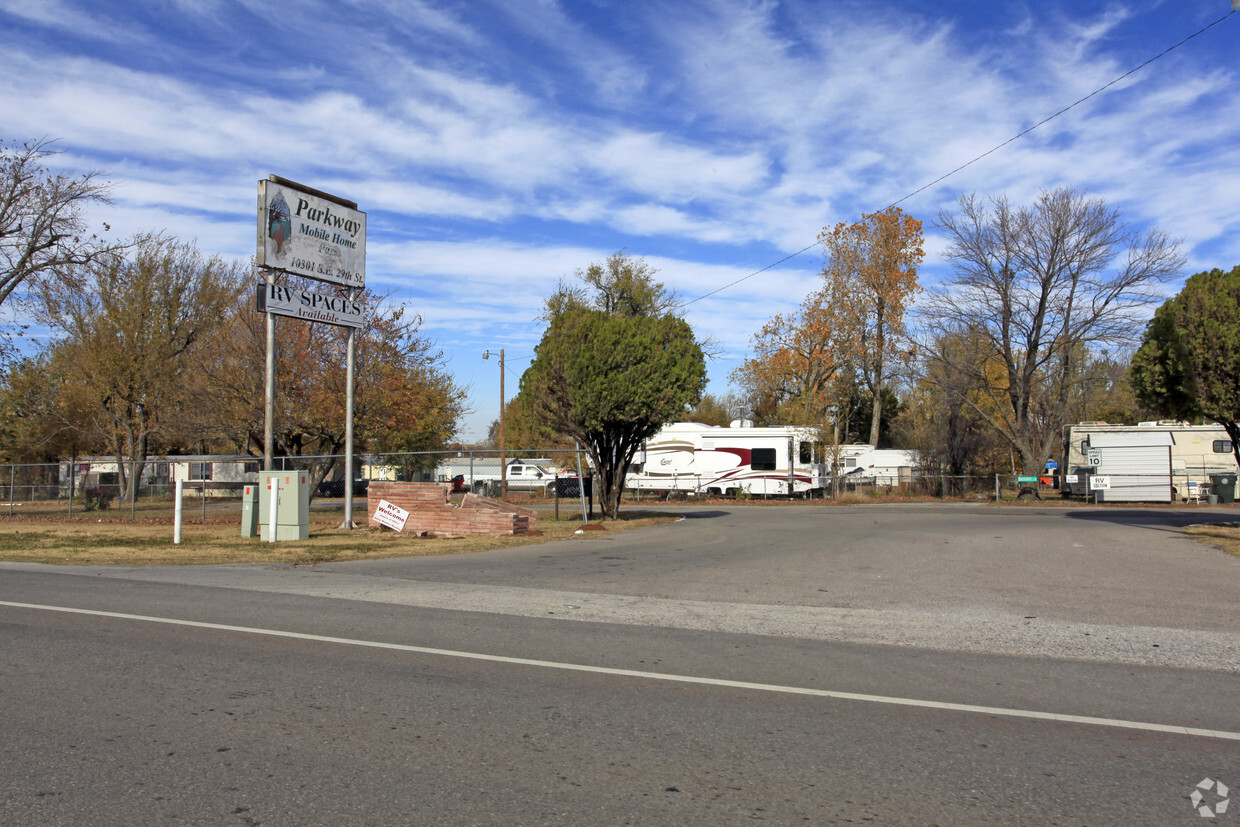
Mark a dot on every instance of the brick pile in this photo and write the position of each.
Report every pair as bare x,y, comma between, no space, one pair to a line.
431,512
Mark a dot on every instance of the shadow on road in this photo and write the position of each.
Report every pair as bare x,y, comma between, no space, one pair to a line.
1170,519
704,515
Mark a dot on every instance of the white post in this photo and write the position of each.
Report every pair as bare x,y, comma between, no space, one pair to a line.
176,512
271,512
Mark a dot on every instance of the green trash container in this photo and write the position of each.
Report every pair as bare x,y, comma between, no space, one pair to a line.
1224,486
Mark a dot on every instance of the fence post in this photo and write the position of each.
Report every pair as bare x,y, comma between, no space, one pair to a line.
12,471
581,485
133,488
998,491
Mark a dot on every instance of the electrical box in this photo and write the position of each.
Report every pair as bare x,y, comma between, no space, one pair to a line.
249,510
292,504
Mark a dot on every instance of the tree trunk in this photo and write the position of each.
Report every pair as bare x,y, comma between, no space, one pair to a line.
876,420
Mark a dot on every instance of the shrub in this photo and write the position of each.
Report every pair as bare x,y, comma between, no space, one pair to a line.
98,499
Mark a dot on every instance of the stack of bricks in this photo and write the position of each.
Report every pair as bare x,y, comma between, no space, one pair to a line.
431,513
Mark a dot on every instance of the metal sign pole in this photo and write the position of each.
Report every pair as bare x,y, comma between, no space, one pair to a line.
351,349
269,397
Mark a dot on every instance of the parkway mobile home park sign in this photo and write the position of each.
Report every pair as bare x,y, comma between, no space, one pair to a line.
307,234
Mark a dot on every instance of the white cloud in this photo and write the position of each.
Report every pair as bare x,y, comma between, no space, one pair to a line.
497,147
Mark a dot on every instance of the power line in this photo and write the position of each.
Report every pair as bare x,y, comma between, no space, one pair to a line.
991,151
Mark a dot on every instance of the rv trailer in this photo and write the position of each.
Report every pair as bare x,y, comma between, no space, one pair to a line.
742,459
1147,462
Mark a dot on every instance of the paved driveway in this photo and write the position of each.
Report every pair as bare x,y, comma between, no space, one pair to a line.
1106,565
1094,584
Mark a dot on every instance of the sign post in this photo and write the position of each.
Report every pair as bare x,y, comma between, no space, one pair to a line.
310,233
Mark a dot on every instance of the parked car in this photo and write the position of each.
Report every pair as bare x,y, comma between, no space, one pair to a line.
335,488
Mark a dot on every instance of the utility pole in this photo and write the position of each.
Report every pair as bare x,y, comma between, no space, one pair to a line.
503,466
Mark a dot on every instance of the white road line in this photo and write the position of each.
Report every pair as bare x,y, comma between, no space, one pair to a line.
656,676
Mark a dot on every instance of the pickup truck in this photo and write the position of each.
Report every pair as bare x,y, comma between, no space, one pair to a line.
521,477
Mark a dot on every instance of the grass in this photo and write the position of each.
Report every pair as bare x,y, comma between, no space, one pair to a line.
90,540
1225,536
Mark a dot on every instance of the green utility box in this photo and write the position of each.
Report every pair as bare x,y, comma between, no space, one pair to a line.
292,504
249,510
1224,485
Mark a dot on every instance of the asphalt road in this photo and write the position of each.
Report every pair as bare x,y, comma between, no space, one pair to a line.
901,665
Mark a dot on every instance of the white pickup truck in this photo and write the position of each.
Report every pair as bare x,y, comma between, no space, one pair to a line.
521,477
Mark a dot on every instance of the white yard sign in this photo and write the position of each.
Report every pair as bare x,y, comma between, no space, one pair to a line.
392,516
1099,483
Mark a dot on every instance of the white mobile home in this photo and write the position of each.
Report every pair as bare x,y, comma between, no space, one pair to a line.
883,468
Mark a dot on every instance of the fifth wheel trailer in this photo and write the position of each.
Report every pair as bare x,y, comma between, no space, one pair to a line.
742,459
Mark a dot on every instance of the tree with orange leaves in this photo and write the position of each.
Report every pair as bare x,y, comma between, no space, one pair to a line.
789,379
871,278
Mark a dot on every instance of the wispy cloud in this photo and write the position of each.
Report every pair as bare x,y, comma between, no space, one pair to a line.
496,147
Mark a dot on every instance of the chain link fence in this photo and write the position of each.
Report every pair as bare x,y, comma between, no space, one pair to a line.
99,485
213,485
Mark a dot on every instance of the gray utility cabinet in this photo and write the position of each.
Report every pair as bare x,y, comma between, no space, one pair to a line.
249,509
292,504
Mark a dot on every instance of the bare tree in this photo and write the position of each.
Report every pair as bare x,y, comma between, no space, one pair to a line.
1042,287
42,229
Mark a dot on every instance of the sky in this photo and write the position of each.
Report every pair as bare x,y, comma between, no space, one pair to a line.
497,147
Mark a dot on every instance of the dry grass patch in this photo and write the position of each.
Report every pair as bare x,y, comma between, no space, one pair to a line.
1224,535
91,543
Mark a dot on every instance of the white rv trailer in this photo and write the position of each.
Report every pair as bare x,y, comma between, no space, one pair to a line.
1147,462
787,461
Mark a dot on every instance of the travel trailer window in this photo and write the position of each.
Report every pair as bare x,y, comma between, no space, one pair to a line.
1222,446
764,459
200,470
810,452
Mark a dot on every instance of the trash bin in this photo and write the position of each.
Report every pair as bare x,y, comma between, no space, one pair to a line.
1224,485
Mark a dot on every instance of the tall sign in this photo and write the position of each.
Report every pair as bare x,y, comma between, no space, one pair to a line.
309,233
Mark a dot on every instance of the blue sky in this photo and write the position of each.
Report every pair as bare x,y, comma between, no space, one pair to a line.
496,147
